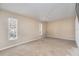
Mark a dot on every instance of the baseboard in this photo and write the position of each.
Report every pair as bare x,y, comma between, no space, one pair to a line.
36,38
50,36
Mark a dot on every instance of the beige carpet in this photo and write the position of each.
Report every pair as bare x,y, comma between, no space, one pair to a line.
42,47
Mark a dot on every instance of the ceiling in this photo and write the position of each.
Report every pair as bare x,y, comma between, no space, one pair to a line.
42,11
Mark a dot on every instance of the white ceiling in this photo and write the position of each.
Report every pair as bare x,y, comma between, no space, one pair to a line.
42,11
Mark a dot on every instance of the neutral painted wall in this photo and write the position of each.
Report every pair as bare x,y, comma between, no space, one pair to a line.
77,31
28,29
63,28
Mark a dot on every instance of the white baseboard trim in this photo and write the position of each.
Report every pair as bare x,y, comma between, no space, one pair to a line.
20,43
36,38
50,36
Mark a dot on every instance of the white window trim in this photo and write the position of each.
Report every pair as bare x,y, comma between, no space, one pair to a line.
40,27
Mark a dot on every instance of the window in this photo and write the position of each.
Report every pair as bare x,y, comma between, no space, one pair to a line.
12,28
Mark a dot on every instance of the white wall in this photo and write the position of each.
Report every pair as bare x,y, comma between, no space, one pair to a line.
77,31
28,29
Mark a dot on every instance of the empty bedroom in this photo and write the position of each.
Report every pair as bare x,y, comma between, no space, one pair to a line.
39,29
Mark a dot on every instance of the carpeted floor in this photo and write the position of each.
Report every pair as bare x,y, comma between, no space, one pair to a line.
43,47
